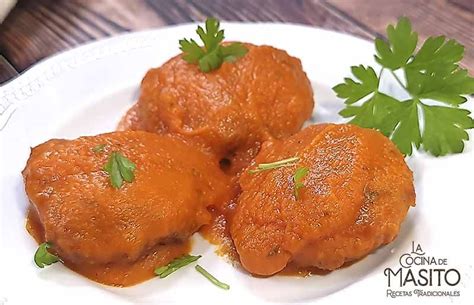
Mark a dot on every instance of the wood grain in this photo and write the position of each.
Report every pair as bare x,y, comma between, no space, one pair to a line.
39,28
7,71
464,4
429,17
36,29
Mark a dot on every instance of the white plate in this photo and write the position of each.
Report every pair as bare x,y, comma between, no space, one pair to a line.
84,91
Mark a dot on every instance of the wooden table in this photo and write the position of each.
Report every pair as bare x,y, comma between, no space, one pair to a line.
39,28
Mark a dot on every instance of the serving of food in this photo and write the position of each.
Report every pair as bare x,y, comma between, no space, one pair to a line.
224,143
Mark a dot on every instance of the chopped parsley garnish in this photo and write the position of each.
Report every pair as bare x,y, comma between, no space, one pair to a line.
211,278
274,165
119,169
298,179
43,257
213,53
176,264
98,148
431,73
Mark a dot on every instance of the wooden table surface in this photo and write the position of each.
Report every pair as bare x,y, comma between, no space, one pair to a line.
39,28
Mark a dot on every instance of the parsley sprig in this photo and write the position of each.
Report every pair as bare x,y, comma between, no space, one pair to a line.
212,54
176,264
274,165
431,73
119,169
211,278
183,261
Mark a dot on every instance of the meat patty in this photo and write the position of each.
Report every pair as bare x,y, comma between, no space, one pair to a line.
355,196
89,222
226,110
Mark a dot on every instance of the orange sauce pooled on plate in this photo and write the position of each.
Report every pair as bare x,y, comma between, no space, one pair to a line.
218,233
116,274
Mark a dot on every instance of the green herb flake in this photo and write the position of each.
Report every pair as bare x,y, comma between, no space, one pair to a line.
43,257
119,169
298,180
98,148
274,165
212,54
431,73
176,264
211,278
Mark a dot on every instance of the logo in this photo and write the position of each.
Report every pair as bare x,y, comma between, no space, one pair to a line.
422,275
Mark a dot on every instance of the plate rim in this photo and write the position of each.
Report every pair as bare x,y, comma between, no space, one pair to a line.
37,76
37,69
122,35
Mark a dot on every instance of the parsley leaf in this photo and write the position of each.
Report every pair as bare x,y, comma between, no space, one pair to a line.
354,91
445,87
234,51
407,133
43,257
176,264
400,46
192,51
377,112
212,54
298,179
435,52
431,73
119,169
447,124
